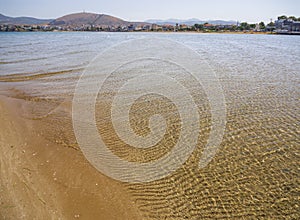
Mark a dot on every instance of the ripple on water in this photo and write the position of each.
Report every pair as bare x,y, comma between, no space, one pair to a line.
255,174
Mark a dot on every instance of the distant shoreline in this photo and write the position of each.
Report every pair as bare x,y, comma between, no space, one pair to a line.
167,32
94,22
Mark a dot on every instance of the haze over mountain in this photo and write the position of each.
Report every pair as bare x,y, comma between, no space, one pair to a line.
79,19
22,20
191,21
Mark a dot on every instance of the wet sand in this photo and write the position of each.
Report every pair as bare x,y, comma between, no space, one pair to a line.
43,178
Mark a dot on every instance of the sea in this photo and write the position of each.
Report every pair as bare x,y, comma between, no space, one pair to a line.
254,57
255,171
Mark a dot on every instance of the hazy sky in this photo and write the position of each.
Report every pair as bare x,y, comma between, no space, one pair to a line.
139,10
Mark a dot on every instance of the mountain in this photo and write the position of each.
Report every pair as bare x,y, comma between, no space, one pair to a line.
191,21
79,19
76,19
22,20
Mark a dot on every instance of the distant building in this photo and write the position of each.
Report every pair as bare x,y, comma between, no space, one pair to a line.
130,27
138,28
154,27
168,27
207,25
147,27
257,28
287,25
295,26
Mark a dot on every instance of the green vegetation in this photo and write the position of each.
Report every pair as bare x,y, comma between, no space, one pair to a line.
244,26
262,25
284,17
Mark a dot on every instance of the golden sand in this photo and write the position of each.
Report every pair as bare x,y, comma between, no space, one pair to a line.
44,175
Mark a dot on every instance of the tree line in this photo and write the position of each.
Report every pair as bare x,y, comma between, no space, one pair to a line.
284,17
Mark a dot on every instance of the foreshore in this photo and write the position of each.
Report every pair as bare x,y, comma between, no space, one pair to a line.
41,177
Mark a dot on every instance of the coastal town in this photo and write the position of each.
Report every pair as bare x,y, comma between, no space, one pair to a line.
283,25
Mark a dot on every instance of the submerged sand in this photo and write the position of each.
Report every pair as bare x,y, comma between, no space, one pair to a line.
254,175
44,175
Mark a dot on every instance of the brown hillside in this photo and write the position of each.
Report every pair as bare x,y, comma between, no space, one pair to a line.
89,19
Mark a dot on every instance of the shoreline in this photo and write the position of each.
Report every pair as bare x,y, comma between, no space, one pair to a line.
166,32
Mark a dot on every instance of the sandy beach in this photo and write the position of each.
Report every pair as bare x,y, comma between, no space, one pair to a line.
43,178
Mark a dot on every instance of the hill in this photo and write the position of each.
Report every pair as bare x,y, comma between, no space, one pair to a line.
76,19
79,19
22,20
191,21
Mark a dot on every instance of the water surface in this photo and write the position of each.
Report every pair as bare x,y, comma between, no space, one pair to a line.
256,171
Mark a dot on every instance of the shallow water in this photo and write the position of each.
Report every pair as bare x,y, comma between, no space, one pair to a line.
255,173
272,60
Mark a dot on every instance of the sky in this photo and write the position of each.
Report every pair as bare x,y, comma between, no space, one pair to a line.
139,10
